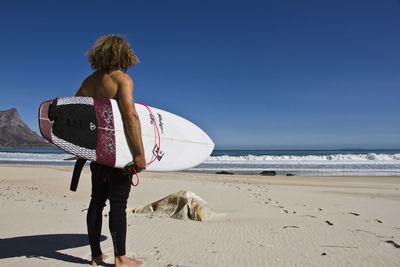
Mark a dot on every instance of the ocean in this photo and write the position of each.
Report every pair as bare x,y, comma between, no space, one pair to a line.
379,162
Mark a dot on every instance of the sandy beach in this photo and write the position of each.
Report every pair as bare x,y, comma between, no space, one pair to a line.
257,221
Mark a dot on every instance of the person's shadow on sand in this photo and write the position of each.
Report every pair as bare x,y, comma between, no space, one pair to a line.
39,246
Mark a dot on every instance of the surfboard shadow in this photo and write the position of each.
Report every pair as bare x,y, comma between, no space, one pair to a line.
46,246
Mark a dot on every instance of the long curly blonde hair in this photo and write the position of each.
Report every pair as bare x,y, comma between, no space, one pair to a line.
112,52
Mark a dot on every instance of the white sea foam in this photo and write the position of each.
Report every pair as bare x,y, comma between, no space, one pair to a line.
368,164
33,157
351,158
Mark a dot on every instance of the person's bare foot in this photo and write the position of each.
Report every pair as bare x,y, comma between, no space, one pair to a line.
123,261
98,260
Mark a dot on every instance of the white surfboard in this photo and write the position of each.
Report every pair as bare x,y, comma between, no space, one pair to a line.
92,129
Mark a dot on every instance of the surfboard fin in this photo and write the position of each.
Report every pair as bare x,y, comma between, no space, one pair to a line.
73,158
77,174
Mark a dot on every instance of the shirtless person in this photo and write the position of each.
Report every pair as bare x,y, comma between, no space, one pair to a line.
111,57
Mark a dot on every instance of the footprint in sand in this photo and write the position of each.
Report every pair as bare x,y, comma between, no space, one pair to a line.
353,213
394,244
290,226
311,216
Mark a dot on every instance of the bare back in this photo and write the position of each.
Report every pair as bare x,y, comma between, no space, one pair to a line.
102,85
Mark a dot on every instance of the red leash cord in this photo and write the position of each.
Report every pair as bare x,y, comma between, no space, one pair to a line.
159,145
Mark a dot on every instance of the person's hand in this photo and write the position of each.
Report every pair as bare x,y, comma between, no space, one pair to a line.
140,162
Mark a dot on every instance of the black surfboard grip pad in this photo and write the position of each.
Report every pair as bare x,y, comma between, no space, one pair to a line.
74,123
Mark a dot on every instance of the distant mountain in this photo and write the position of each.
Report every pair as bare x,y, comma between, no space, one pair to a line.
15,133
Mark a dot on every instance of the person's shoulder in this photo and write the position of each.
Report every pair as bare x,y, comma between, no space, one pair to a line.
121,78
89,78
83,90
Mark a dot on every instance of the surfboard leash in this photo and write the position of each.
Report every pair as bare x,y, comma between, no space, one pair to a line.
131,165
158,134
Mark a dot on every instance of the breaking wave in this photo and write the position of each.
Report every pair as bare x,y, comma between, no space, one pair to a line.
351,158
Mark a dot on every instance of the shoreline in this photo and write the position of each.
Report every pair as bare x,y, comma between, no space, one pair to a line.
279,173
243,162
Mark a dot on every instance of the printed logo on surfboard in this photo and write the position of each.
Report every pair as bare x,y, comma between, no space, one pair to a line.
160,154
92,126
160,124
151,119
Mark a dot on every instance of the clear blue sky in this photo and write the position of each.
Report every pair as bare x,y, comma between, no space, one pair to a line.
252,74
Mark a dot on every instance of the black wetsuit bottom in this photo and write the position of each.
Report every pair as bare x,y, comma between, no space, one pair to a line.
108,183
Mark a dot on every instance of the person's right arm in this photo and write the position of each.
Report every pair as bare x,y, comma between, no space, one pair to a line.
131,120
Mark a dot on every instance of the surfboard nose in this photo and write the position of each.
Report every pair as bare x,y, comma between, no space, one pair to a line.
44,123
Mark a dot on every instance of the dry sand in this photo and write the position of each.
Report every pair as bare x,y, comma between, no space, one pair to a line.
258,221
